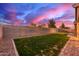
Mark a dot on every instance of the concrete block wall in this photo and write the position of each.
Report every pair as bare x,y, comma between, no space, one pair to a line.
23,31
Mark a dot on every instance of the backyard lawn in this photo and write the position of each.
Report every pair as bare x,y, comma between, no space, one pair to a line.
48,45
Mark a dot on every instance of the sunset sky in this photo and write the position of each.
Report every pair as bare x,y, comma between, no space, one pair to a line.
39,13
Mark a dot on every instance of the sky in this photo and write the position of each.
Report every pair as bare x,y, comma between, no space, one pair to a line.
38,13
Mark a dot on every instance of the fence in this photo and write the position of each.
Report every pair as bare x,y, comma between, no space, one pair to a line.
23,31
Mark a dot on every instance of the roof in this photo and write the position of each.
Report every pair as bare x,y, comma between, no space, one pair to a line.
76,5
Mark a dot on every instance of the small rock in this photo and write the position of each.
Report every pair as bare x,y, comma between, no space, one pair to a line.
42,51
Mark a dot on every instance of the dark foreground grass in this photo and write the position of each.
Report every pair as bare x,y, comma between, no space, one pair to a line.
49,45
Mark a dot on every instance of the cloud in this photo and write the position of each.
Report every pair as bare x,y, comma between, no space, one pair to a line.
54,13
37,13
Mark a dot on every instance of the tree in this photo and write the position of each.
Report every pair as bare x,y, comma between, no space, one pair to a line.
62,26
33,24
40,26
51,23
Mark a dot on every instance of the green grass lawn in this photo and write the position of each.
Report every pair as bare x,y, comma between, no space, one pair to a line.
48,45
